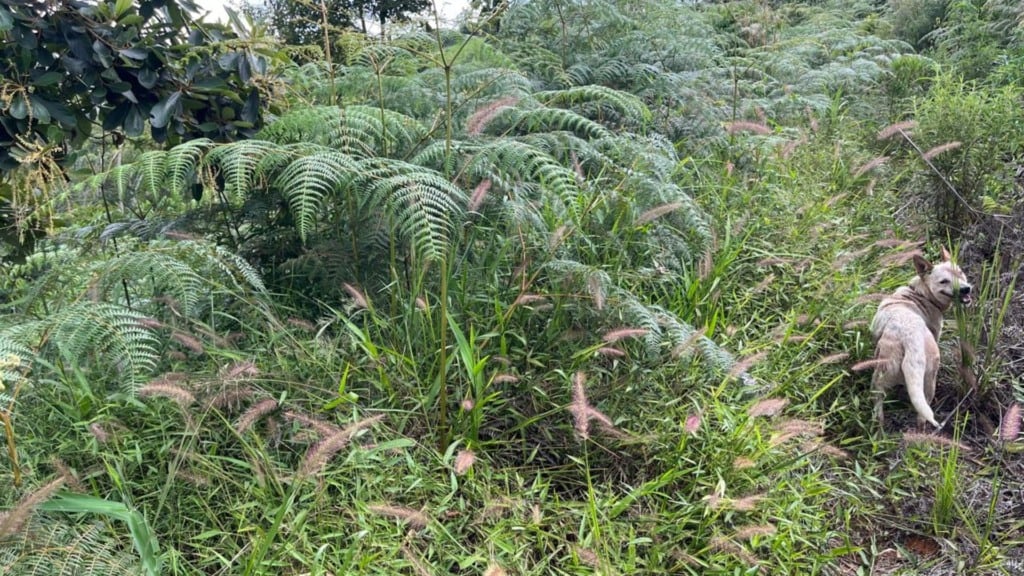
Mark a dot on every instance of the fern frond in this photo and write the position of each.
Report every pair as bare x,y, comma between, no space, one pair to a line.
15,360
150,271
362,131
307,180
625,103
114,333
425,205
479,86
549,119
661,326
239,164
151,167
182,162
51,547
508,162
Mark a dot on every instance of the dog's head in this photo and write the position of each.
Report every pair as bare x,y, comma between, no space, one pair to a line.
945,281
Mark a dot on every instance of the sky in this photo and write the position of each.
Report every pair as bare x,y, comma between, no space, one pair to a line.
449,9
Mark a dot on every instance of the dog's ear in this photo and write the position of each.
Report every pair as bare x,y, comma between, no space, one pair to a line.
946,257
922,266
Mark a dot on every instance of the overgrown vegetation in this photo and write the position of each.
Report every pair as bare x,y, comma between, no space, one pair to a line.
587,293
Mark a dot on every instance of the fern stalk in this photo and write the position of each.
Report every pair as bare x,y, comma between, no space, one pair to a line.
442,391
327,51
12,451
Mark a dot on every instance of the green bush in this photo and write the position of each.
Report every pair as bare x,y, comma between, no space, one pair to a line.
983,132
914,20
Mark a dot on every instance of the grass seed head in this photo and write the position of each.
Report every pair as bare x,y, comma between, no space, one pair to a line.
1010,428
767,407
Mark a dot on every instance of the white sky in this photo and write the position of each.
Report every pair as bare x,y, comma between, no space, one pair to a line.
448,9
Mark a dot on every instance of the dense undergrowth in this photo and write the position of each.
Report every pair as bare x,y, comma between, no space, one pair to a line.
584,294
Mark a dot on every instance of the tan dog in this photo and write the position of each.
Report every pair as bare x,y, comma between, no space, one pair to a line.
906,328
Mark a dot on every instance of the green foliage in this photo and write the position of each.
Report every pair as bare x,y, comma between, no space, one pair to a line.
982,127
581,296
142,535
915,21
58,79
50,547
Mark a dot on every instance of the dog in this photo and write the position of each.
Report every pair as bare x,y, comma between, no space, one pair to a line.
906,330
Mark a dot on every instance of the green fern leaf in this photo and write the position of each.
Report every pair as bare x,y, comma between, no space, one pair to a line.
110,332
239,164
307,180
182,162
423,203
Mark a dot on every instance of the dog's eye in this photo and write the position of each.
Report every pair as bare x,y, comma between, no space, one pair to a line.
944,281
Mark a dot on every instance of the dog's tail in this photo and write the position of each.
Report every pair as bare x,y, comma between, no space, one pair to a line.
913,374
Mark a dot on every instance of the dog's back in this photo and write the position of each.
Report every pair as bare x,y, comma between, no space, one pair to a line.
906,328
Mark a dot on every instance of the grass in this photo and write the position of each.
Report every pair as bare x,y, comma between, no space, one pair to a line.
533,424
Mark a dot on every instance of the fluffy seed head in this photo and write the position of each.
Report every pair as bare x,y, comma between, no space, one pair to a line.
767,407
357,296
414,518
1010,428
623,333
940,149
190,342
894,129
657,212
182,397
464,460
748,532
745,364
254,413
692,423
744,126
14,520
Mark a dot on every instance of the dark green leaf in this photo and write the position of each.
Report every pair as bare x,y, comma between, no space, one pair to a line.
6,22
39,110
47,79
251,110
147,78
19,107
244,70
102,54
134,53
211,83
116,117
228,61
133,122
162,111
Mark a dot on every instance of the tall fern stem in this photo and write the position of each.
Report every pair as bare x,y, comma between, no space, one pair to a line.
442,381
12,449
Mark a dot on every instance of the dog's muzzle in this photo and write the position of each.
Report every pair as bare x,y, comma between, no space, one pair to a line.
965,294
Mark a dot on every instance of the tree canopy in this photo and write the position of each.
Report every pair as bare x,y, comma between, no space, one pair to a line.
68,67
301,22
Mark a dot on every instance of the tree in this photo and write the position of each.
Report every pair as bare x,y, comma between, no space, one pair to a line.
301,22
70,66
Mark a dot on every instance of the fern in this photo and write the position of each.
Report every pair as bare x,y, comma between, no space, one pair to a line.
107,331
239,162
306,181
664,330
626,104
51,547
15,361
182,164
360,131
424,204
